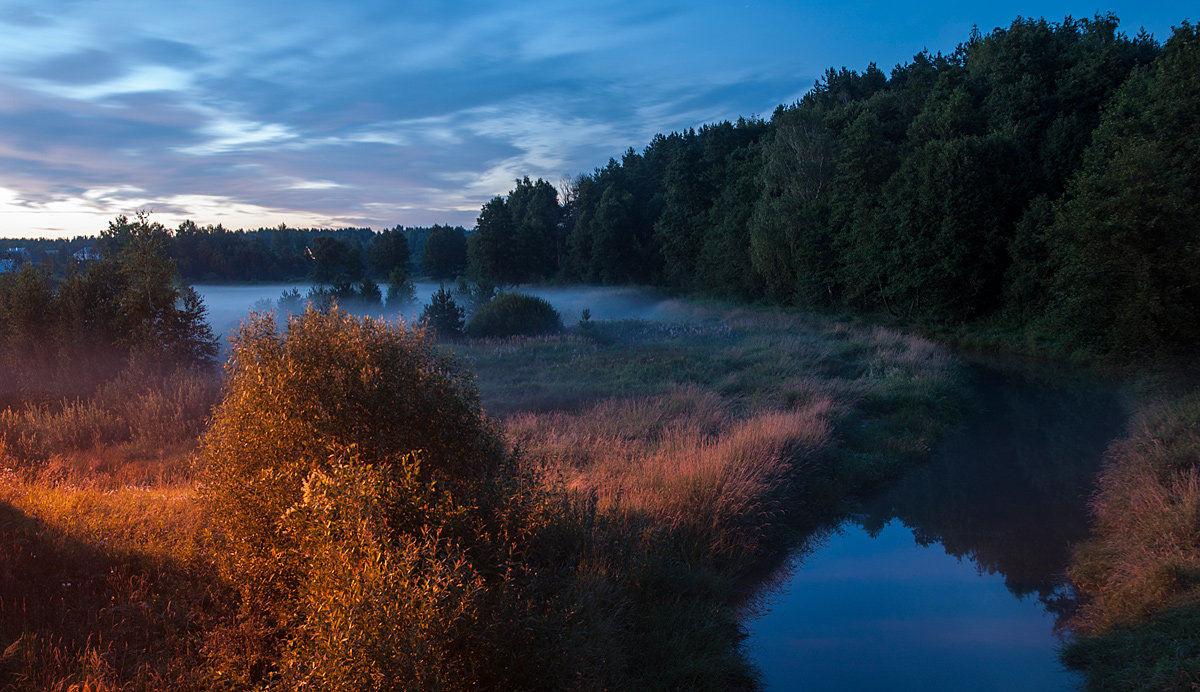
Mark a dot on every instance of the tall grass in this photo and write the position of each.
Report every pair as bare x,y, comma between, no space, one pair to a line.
137,417
1139,575
685,460
102,589
705,449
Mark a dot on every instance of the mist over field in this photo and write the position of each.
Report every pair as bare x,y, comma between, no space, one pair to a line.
229,304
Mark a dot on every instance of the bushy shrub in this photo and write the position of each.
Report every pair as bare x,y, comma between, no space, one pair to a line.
512,314
370,516
65,338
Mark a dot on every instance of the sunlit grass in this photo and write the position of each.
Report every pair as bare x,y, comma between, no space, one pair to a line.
709,447
102,588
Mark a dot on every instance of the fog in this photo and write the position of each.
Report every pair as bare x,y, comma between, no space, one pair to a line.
228,304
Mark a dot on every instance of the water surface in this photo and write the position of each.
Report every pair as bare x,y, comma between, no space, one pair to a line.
952,579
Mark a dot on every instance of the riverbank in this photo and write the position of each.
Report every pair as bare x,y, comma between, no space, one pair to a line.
729,435
694,452
1139,575
1136,615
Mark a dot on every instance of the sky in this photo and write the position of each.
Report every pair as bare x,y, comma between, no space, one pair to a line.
313,113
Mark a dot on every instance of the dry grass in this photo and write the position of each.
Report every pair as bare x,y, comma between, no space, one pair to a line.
104,552
101,588
1145,557
136,416
684,459
1139,574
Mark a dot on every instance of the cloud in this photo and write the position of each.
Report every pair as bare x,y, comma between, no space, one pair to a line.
372,112
225,134
89,212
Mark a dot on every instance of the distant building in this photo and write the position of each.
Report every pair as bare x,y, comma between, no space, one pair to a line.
13,259
87,254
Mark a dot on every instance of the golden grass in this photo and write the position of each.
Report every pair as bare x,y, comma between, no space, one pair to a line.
102,588
1144,557
683,459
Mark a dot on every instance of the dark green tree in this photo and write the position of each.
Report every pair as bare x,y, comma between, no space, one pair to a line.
445,253
443,315
389,251
491,250
335,261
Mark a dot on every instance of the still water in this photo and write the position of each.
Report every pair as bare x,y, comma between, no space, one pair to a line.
952,579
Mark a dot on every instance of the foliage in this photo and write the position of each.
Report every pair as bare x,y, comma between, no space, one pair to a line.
290,301
68,337
1126,243
517,238
609,556
1143,557
400,289
389,252
1139,573
513,314
442,315
957,188
1162,653
335,261
707,446
445,253
349,457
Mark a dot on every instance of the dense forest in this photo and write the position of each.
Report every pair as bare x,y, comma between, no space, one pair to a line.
1042,176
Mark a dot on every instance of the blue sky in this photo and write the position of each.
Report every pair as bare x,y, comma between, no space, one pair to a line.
255,113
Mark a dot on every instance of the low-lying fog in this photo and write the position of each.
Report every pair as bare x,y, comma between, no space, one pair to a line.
227,304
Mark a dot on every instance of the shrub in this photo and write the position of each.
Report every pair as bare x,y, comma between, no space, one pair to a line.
512,314
370,517
290,301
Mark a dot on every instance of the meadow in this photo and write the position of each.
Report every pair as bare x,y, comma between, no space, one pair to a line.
670,466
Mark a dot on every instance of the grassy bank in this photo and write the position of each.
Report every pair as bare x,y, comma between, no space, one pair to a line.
673,461
709,447
1139,575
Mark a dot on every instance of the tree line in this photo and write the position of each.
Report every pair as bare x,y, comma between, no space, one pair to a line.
215,253
1043,175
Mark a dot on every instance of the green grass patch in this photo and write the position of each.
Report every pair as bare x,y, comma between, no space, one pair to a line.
1162,653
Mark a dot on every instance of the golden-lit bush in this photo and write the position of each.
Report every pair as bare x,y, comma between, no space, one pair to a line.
371,519
382,609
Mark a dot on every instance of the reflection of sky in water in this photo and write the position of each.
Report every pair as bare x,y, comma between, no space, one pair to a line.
886,613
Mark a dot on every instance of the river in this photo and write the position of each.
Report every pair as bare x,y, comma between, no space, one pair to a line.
953,578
